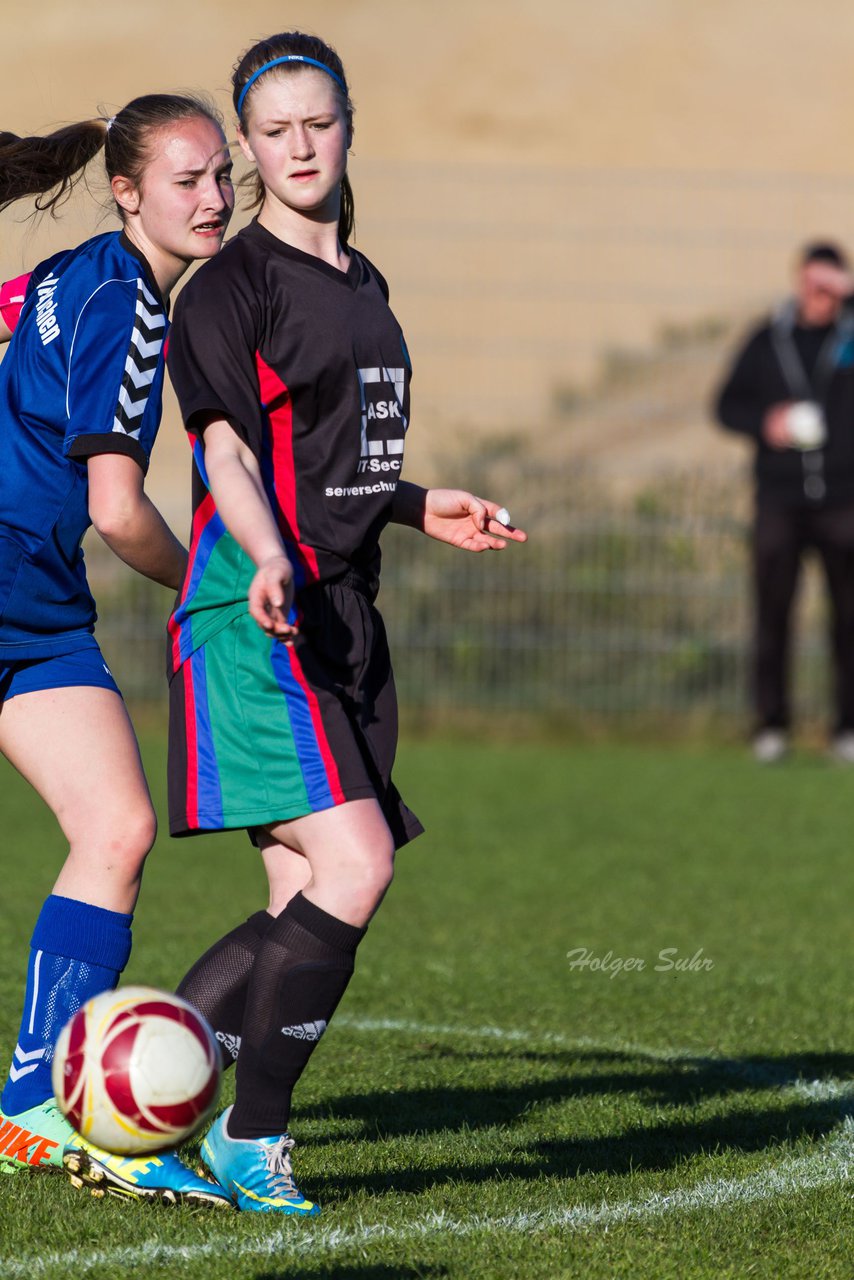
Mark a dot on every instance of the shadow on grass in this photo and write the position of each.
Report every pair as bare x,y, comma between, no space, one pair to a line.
681,1082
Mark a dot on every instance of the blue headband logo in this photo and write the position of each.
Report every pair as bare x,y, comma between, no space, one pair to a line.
288,57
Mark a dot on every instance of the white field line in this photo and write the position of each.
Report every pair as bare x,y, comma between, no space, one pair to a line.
761,1074
831,1164
834,1164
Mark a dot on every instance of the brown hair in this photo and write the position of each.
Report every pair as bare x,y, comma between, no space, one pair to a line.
49,167
824,251
279,46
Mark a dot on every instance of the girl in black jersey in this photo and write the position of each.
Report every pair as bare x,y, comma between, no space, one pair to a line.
293,379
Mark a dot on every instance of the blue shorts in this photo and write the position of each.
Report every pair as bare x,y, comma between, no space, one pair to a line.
84,665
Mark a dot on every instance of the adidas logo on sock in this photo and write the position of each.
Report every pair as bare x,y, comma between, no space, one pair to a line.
230,1043
305,1030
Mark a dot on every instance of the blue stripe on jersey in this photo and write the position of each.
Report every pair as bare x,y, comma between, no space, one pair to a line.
209,790
199,460
302,726
209,537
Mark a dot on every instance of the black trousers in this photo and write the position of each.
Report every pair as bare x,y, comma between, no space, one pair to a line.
780,537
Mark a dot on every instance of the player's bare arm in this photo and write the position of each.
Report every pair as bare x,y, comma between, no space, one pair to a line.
235,482
128,521
454,516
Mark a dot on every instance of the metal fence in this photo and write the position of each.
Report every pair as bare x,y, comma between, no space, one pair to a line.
530,302
616,610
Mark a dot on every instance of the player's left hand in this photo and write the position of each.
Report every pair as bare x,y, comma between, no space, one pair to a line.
462,520
271,595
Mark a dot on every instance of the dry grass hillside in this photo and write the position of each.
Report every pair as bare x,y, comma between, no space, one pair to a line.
542,184
743,84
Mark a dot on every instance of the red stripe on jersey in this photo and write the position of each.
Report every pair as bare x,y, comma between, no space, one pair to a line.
204,512
284,473
174,629
12,295
192,789
326,755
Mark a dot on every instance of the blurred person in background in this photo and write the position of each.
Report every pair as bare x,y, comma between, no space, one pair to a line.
791,389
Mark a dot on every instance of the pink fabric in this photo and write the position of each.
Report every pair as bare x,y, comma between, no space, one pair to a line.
12,295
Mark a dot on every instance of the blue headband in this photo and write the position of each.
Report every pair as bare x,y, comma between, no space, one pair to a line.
289,57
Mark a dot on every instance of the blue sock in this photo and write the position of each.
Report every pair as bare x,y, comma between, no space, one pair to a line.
77,951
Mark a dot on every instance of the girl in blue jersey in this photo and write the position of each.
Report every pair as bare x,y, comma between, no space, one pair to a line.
80,393
293,379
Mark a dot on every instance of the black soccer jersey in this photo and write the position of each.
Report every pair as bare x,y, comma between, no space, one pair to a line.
309,366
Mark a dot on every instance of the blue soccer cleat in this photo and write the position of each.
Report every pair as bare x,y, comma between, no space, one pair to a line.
160,1177
256,1172
42,1139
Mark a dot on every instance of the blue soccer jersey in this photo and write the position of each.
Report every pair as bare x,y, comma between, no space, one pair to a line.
83,375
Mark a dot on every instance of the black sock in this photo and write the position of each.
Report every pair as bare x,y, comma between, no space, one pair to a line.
300,974
218,982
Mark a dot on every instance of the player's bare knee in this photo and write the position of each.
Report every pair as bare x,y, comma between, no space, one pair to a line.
380,884
114,836
129,842
141,833
369,872
385,874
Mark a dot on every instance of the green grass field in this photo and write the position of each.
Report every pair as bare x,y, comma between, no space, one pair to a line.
482,1109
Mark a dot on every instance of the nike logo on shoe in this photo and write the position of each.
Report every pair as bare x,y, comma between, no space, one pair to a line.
130,1167
296,1202
15,1144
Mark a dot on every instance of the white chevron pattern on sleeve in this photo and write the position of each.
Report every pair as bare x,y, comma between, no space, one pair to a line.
141,363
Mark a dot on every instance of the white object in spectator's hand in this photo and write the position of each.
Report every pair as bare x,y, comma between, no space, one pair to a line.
502,516
805,421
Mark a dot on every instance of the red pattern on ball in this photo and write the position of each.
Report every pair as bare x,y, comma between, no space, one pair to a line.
116,1064
99,1058
75,1065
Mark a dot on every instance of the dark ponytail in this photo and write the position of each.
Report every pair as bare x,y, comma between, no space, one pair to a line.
303,46
55,163
50,167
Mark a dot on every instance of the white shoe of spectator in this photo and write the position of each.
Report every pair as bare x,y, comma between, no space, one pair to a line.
842,747
771,745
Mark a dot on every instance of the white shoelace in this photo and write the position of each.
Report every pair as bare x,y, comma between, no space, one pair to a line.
278,1161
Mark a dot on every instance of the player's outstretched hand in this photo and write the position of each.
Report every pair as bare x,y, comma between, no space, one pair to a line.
271,594
462,520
